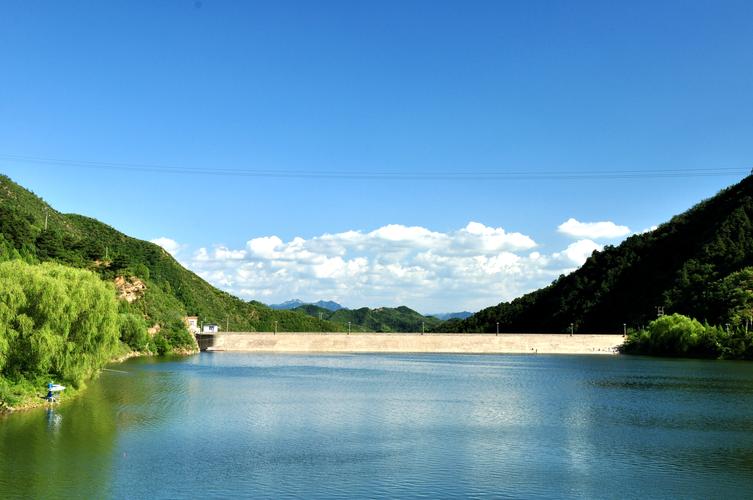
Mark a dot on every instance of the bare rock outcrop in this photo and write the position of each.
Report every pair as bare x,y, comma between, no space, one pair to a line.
130,289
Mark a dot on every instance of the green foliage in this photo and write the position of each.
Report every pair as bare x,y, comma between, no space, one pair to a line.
161,344
176,335
15,228
678,335
674,335
54,320
141,271
731,298
164,310
737,344
133,331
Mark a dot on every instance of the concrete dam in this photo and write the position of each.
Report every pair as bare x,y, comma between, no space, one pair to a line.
448,343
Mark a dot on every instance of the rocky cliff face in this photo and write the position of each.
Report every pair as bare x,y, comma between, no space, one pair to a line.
129,289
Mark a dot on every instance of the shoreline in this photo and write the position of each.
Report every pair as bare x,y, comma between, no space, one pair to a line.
438,343
37,400
373,343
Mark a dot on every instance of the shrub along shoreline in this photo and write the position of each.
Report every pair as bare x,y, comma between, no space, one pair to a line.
680,336
65,324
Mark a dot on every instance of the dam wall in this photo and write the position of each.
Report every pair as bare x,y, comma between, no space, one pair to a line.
452,343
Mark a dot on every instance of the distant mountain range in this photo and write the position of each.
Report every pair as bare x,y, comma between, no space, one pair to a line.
292,304
381,319
455,315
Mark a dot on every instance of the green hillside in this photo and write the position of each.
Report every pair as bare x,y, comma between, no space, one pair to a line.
171,290
383,319
681,267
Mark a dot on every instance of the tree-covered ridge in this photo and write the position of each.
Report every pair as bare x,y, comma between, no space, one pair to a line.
382,319
172,291
678,267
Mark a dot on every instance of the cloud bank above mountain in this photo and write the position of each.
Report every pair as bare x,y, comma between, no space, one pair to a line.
593,230
469,268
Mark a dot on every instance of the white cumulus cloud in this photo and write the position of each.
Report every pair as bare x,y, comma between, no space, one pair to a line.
468,268
265,247
170,245
577,253
592,230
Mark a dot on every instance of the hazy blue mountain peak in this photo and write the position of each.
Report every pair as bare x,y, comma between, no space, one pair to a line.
292,304
452,315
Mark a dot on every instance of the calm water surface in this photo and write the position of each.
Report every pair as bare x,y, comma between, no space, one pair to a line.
248,425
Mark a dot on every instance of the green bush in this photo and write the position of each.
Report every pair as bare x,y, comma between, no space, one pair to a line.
141,271
676,335
161,344
133,331
177,336
738,344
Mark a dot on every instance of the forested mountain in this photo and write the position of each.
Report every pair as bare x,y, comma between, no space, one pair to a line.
382,319
32,230
685,266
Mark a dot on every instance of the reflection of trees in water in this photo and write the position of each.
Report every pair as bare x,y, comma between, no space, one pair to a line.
59,452
71,449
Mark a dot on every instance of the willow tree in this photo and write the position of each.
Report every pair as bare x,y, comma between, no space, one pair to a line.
55,320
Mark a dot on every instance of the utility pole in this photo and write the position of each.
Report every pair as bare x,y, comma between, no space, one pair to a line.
348,327
497,329
572,329
624,329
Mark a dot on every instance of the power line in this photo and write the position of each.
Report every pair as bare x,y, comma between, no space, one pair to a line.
386,175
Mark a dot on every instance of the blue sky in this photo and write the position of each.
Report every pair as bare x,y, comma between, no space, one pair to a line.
425,88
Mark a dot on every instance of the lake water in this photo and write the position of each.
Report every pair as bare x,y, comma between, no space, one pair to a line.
434,426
